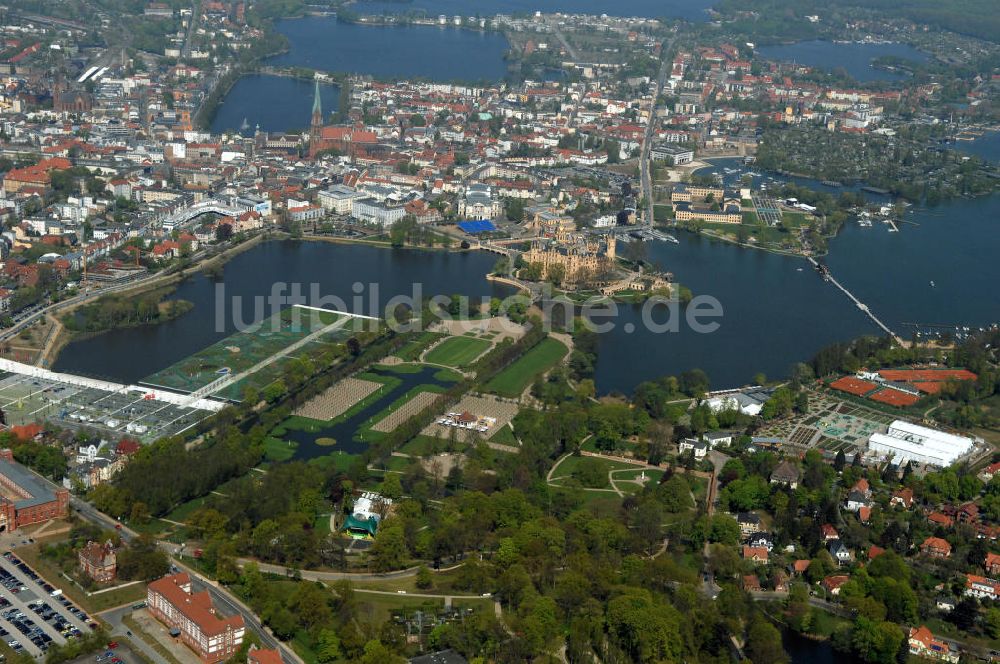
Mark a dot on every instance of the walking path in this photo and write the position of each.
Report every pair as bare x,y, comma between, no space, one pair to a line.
861,305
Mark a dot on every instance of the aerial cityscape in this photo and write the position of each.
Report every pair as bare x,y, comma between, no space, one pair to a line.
494,331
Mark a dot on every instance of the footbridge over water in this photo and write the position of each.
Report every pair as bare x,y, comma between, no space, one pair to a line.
858,303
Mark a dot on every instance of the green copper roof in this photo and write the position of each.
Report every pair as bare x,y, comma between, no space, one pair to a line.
317,106
355,524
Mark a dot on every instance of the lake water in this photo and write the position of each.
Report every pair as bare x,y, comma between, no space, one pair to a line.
129,355
275,103
439,53
986,146
856,59
774,313
691,10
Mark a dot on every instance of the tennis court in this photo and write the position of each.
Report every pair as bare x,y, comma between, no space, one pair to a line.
476,227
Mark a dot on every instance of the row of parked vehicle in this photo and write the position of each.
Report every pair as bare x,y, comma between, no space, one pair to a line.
28,629
51,609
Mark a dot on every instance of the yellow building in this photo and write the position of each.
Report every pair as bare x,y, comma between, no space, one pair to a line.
578,256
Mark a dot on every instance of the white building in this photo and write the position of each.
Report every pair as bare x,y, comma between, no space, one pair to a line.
370,505
748,403
371,211
479,203
339,199
911,442
699,448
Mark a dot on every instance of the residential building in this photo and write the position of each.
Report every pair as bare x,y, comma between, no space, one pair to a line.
992,564
99,561
762,540
787,472
832,584
981,587
749,523
263,656
923,644
903,498
935,547
213,638
718,438
839,551
856,500
756,554
697,447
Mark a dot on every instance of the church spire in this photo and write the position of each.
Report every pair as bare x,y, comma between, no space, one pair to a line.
317,113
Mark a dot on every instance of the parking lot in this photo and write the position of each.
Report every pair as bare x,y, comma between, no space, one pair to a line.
34,614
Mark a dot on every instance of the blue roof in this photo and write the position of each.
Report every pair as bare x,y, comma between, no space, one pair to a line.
473,227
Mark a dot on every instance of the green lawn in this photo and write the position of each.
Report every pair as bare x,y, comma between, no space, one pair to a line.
412,350
513,380
398,463
457,351
337,460
505,436
278,450
90,603
663,212
322,525
421,445
571,463
182,513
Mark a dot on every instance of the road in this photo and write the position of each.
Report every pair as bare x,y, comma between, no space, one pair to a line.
718,459
28,316
645,180
192,25
222,598
120,630
565,44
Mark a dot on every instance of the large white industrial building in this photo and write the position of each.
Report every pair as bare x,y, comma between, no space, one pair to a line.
912,442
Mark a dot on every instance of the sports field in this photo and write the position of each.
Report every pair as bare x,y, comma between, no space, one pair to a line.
296,331
513,380
457,351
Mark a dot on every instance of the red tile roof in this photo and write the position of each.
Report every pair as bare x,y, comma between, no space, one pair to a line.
196,607
264,656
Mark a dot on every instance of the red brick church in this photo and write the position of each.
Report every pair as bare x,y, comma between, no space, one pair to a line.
346,139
